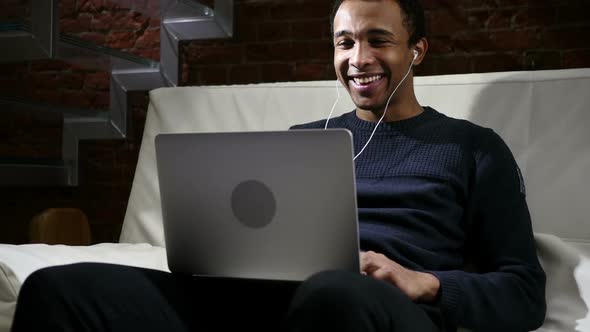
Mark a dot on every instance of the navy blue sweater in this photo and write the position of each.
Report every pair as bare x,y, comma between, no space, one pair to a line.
438,194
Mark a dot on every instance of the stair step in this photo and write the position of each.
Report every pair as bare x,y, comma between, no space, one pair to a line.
33,172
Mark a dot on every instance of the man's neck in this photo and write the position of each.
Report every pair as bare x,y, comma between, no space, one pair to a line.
395,112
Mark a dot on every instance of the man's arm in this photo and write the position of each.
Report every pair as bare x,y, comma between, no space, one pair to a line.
508,291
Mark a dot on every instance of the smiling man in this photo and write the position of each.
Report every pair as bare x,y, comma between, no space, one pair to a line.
435,195
373,53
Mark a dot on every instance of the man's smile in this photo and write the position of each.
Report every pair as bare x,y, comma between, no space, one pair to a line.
367,83
366,79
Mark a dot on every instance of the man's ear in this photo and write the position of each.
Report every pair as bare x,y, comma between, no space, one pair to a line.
422,47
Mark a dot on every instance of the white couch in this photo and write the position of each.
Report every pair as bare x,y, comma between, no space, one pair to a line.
543,116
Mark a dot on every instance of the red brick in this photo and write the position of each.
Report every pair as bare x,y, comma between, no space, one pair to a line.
86,6
149,39
279,52
472,42
277,72
75,25
102,22
311,71
188,77
129,21
477,19
310,30
121,39
98,81
154,22
542,60
204,55
307,10
93,37
246,32
273,31
496,63
98,5
444,22
244,74
514,40
574,13
454,64
471,4
440,45
251,12
48,95
577,59
70,81
67,7
565,38
112,5
11,86
148,53
12,68
317,50
49,65
499,19
427,67
43,80
102,100
520,3
77,98
14,9
534,17
213,75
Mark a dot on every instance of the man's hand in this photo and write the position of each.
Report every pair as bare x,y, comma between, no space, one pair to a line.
418,286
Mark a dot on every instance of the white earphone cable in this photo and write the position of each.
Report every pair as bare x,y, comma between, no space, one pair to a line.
384,112
333,106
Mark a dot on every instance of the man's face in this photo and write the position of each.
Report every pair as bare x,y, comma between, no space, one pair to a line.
371,53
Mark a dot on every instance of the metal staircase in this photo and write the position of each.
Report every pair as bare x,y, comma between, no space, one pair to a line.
38,37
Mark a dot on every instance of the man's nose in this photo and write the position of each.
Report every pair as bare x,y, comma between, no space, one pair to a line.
361,56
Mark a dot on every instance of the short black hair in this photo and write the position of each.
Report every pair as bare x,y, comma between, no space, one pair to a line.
413,14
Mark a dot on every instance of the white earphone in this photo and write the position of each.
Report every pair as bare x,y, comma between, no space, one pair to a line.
416,53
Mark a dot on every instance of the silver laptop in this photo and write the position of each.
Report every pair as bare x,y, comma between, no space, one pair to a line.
277,205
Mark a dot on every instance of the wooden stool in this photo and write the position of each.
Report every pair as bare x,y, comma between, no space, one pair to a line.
67,226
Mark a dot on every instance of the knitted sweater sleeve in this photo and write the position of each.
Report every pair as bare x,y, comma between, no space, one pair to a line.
507,293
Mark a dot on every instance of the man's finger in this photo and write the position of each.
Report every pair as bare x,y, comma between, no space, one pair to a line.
380,274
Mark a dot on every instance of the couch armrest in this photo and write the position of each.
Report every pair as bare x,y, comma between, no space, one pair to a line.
17,262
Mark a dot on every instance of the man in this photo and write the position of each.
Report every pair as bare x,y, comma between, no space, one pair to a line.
434,194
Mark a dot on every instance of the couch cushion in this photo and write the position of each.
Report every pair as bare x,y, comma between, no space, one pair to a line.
9,286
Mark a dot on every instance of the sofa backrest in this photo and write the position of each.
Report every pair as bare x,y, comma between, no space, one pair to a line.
543,116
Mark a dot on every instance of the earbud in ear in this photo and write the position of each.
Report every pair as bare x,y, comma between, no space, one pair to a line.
415,54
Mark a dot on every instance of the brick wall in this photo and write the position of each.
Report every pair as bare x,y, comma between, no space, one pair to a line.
106,168
290,40
14,10
275,40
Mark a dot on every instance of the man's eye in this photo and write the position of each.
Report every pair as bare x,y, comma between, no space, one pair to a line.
377,41
345,43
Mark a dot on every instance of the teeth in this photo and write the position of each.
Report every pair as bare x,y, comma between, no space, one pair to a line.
366,80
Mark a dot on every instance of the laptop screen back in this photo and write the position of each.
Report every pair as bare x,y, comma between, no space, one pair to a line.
266,205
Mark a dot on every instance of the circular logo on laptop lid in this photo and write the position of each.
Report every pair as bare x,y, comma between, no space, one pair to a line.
253,203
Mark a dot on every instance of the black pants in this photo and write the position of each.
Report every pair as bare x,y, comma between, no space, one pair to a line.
104,297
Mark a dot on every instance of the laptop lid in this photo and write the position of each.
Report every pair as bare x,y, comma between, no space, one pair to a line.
275,205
